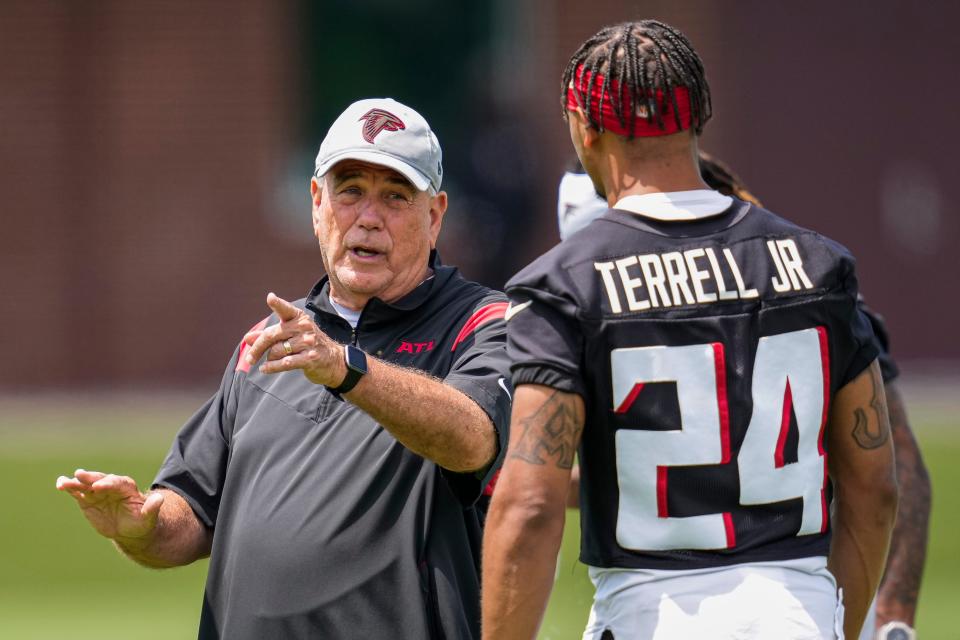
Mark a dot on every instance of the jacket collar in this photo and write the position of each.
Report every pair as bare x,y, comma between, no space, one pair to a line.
376,310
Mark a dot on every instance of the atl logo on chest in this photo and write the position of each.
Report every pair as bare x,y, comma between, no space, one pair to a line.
414,347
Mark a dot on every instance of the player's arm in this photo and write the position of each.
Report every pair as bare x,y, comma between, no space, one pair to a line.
157,529
861,467
897,598
525,524
429,417
573,495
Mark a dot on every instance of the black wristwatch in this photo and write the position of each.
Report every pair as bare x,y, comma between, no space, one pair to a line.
356,361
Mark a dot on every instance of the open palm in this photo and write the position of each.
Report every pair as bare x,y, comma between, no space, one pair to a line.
114,505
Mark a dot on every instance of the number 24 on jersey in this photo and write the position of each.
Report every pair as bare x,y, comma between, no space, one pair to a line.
790,373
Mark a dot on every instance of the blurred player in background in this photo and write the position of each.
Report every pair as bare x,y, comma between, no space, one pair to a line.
687,330
894,612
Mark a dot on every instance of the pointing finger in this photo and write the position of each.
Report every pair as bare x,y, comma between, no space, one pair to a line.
284,310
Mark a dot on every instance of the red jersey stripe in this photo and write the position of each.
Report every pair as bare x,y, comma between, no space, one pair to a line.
488,490
731,532
483,315
662,510
784,427
242,364
630,399
825,363
720,364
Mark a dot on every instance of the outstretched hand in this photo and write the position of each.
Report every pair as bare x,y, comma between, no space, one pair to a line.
296,342
114,506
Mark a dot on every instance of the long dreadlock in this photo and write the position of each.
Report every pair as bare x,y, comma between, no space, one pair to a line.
646,61
720,177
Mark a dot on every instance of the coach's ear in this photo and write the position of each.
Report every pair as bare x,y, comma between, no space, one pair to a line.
438,207
316,197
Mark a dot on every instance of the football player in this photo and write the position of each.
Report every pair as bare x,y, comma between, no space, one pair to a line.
717,354
578,204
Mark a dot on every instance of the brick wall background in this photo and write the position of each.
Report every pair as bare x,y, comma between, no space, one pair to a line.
148,201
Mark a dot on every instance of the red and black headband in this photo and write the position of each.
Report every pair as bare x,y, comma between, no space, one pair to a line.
600,103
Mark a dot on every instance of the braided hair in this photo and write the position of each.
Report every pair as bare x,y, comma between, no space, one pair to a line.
647,60
720,177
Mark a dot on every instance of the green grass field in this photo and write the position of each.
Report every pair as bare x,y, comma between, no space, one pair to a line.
59,580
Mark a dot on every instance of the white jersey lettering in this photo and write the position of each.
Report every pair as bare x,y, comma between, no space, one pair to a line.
642,282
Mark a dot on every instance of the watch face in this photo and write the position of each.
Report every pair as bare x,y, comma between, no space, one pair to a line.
896,631
356,359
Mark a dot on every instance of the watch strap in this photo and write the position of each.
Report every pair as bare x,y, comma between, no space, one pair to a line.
353,373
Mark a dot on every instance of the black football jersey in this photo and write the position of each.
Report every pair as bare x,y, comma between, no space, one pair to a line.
888,366
707,354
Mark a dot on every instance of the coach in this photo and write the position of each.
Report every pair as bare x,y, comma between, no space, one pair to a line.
332,477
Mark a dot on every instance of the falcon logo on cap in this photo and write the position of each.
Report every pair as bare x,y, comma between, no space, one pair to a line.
378,120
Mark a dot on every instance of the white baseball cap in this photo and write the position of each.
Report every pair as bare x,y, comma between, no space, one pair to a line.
384,132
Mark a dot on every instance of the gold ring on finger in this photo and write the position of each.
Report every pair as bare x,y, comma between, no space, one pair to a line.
286,347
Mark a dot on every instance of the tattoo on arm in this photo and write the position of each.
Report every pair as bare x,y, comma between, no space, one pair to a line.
866,437
551,433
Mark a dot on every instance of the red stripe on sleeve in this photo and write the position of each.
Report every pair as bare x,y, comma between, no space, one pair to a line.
483,315
242,364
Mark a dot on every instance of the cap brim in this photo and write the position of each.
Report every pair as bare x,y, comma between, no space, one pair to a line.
420,181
